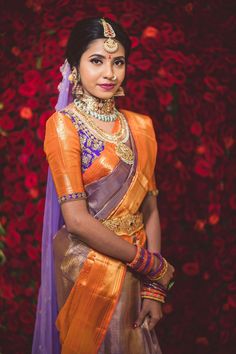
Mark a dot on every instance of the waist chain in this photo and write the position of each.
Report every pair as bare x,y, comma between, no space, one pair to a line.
125,225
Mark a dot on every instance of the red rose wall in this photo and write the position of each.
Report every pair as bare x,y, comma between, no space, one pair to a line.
181,74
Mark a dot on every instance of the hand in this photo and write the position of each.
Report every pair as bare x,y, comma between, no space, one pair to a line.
168,276
151,309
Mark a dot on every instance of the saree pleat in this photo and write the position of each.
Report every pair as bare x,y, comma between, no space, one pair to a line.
98,298
121,337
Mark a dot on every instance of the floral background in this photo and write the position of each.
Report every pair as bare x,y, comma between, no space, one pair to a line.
181,74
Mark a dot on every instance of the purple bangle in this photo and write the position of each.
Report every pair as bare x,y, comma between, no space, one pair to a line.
147,263
153,273
140,260
155,285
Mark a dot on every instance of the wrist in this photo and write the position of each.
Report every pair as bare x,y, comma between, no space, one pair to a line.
152,265
153,290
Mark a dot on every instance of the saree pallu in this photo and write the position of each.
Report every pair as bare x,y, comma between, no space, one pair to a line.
98,298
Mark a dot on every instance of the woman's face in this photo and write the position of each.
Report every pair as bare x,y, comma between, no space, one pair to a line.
97,69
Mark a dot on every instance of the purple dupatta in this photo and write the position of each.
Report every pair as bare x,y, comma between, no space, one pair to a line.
46,336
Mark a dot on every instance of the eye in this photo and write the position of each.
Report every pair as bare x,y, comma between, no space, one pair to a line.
119,62
96,61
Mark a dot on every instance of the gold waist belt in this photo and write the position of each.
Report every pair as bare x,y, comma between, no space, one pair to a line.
125,225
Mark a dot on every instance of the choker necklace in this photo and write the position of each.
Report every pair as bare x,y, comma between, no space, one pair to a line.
103,110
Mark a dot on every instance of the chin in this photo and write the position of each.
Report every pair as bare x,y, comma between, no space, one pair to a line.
105,95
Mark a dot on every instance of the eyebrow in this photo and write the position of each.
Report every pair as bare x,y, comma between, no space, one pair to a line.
103,57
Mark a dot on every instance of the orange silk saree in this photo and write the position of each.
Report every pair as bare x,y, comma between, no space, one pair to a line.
98,297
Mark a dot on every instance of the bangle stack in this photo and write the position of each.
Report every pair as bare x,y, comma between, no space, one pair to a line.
144,261
153,291
157,274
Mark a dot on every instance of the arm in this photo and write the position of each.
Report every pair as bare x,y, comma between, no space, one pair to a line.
89,230
152,223
151,217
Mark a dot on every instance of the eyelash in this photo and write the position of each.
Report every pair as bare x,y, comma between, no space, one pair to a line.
96,61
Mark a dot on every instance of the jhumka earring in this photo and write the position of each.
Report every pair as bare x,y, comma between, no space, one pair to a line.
74,78
120,92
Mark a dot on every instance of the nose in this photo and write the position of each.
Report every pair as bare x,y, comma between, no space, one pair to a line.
108,73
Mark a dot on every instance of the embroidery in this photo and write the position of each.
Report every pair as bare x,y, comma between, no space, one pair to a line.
91,147
72,196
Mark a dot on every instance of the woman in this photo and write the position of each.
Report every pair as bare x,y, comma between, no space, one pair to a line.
103,278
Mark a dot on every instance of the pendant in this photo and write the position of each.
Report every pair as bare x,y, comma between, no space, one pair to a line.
125,153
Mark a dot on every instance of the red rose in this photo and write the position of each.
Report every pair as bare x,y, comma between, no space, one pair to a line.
191,268
7,292
27,89
203,168
13,238
232,201
32,252
196,128
31,180
177,37
165,98
7,123
168,143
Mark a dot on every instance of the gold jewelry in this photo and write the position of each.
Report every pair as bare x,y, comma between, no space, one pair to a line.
101,109
128,224
120,92
118,139
74,78
110,45
114,78
78,90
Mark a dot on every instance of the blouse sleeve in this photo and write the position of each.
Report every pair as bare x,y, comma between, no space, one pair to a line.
63,152
152,188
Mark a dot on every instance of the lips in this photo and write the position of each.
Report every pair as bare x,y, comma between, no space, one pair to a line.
107,87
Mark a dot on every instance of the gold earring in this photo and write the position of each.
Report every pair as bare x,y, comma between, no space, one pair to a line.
120,92
73,75
78,89
74,78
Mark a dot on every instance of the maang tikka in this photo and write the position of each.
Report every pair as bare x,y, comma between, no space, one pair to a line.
111,45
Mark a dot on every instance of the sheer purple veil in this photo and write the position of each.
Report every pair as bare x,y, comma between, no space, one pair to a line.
46,336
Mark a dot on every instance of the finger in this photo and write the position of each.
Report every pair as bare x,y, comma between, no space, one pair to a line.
143,313
153,321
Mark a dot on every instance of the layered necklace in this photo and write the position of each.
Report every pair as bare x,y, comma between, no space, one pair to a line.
91,107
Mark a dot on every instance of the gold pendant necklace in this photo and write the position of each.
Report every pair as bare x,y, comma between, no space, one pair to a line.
124,153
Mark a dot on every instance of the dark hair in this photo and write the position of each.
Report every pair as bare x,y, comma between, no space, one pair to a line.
88,30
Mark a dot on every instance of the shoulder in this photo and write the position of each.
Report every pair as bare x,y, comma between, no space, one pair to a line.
140,122
137,116
60,119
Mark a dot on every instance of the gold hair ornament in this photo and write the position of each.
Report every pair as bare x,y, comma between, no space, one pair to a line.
110,44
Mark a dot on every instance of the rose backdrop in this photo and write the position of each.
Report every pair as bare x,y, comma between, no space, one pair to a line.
180,73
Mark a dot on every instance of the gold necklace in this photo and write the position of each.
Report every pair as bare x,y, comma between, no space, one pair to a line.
101,109
118,139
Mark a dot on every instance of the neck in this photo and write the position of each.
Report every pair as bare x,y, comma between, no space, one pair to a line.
99,105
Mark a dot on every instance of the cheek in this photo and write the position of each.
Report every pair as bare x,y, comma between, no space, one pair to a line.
122,74
89,74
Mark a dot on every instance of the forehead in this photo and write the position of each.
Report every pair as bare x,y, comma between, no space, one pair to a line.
96,47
